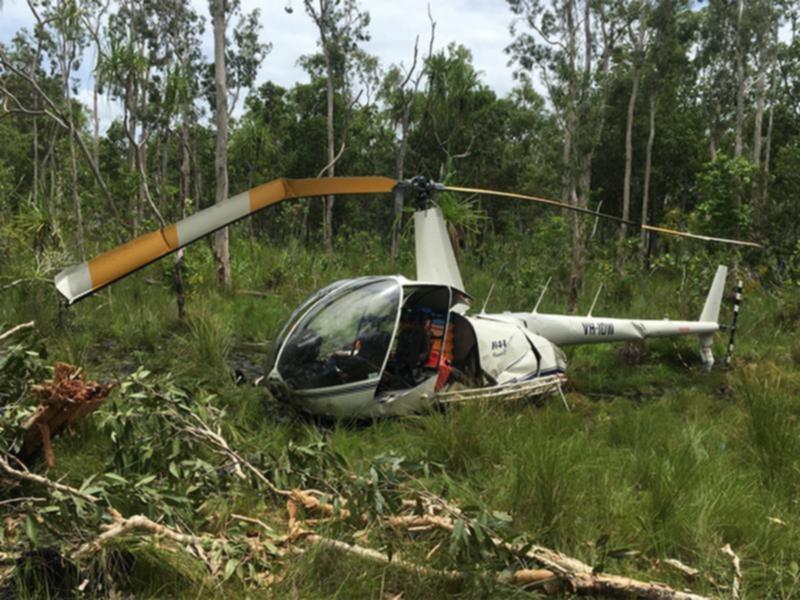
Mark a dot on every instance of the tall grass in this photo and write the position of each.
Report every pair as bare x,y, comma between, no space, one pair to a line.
656,457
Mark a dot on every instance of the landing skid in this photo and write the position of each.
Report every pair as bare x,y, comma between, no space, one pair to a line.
539,386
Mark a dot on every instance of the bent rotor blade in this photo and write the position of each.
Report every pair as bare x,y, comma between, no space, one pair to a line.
697,236
580,209
87,277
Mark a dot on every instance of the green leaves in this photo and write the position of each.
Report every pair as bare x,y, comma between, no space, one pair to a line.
724,186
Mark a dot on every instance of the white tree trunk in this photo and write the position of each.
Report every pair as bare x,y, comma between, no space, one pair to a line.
638,49
626,190
221,249
740,80
327,222
648,162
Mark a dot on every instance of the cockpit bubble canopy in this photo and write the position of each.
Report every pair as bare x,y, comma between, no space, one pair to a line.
343,338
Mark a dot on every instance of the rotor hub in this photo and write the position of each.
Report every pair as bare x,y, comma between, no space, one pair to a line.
420,189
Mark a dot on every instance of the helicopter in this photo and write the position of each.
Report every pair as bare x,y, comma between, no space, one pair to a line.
375,346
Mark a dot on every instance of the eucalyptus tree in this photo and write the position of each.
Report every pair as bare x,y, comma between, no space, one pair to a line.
454,122
667,71
569,43
125,73
93,18
400,92
67,42
341,26
236,67
636,18
183,28
767,19
22,104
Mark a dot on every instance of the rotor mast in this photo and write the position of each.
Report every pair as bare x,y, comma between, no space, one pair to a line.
436,260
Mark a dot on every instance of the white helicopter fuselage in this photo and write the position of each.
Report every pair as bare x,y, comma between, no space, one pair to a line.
385,346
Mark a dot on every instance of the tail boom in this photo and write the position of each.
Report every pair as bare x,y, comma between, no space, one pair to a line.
566,330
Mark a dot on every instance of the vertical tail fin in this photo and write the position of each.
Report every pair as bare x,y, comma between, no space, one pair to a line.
711,314
714,299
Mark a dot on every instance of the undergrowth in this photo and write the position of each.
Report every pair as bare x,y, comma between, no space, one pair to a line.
656,460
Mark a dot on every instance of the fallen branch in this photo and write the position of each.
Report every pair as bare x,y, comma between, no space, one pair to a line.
14,330
10,471
136,523
737,571
310,502
571,571
374,556
203,432
679,567
21,500
593,584
537,578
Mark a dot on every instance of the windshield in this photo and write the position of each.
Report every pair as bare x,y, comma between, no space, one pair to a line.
343,339
329,289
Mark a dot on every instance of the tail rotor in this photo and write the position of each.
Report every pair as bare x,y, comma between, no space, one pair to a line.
737,302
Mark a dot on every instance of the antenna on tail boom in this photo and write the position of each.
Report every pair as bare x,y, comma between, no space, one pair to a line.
596,296
541,295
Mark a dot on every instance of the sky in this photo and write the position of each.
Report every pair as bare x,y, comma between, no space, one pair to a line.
480,25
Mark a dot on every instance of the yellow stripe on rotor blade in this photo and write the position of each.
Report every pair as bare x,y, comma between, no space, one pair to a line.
285,189
135,254
81,280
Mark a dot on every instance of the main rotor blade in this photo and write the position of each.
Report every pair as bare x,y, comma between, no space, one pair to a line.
697,236
588,211
580,209
87,277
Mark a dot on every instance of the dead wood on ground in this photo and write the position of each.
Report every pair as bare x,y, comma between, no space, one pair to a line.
63,401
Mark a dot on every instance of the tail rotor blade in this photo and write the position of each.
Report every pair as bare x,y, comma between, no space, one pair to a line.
580,209
85,278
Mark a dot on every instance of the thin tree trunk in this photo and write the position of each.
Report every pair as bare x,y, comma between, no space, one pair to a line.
626,190
566,159
96,114
221,248
76,197
162,183
761,90
141,148
53,187
397,224
767,153
185,183
35,188
48,192
740,82
569,178
648,163
130,102
327,223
